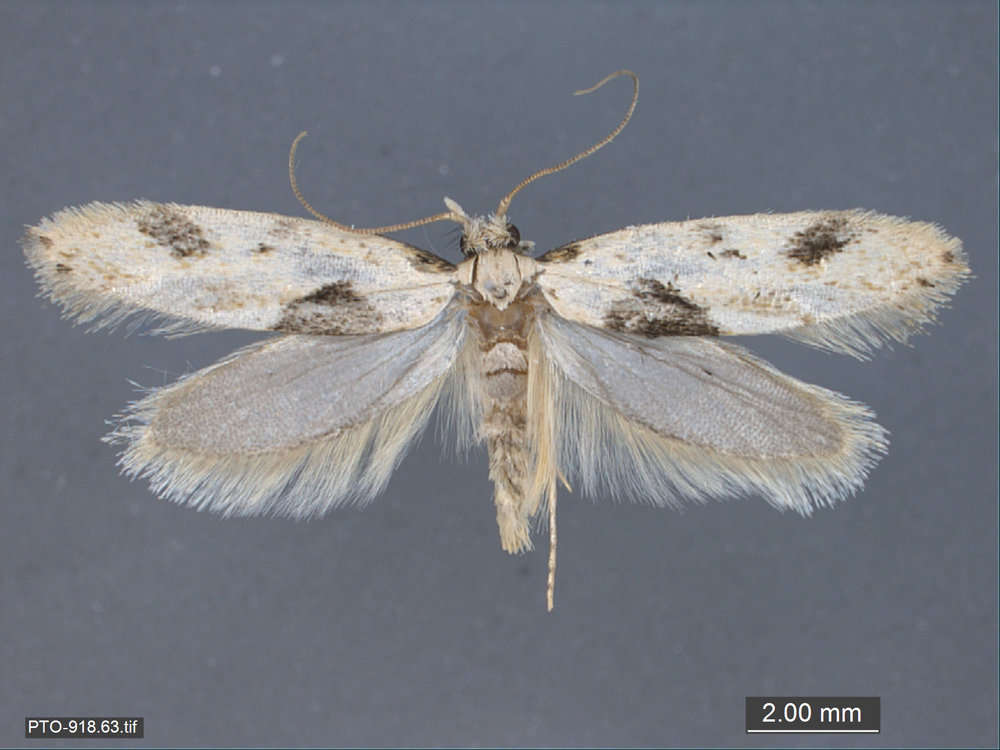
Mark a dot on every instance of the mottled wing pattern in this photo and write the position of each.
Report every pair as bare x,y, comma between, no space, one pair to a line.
682,416
842,280
291,426
195,267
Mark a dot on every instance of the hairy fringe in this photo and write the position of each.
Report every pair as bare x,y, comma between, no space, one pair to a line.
860,334
95,310
614,456
462,412
349,467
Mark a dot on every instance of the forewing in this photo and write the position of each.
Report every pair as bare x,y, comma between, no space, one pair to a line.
693,417
195,267
842,280
291,426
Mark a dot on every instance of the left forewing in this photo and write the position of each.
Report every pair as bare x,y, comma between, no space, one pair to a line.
194,267
843,280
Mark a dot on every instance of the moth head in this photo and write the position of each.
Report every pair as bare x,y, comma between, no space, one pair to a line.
483,233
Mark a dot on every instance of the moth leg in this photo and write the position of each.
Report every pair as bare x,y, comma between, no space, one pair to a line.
550,588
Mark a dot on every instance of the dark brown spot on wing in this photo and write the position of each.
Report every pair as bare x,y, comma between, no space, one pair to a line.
923,282
44,241
263,248
655,290
282,228
429,262
173,230
655,309
337,293
332,310
820,240
562,254
713,232
62,268
733,254
948,257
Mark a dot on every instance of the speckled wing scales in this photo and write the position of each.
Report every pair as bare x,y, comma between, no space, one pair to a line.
193,268
291,426
842,280
686,416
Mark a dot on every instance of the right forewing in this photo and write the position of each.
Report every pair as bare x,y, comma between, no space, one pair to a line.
194,267
843,280
690,416
292,426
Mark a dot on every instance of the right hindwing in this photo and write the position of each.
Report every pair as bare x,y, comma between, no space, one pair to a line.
687,416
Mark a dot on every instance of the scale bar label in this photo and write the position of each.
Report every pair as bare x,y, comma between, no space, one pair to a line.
812,714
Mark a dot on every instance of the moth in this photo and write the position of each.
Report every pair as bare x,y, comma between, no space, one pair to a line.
600,361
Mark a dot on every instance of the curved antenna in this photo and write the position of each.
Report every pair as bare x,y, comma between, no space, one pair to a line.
446,216
505,203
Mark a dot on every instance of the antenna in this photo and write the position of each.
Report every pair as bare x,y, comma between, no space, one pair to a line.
446,216
505,203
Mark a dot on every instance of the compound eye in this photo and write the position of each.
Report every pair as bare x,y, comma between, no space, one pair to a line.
463,244
515,236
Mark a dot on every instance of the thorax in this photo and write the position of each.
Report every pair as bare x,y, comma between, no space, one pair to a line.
497,278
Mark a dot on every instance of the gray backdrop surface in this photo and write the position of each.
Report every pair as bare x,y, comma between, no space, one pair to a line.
405,623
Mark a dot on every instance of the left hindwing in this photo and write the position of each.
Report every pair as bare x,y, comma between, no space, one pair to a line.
196,267
843,280
294,425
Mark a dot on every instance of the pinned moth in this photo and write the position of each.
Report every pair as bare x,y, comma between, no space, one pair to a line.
599,360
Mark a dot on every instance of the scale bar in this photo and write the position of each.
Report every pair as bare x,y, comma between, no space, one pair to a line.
812,731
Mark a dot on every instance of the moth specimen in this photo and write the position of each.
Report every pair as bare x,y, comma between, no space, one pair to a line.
600,361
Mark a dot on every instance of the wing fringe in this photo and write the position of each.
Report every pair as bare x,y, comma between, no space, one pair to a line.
861,334
96,310
613,455
347,467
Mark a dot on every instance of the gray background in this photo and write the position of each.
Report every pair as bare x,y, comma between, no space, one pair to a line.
406,623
